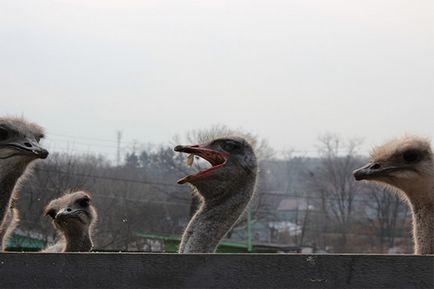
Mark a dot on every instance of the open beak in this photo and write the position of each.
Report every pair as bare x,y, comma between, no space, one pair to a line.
216,158
27,146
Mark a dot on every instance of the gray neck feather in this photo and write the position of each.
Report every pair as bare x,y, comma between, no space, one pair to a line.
78,242
423,227
8,181
214,219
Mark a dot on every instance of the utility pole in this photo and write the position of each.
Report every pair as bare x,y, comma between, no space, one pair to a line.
118,152
249,230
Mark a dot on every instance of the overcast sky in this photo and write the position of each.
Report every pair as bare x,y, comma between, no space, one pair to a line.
285,70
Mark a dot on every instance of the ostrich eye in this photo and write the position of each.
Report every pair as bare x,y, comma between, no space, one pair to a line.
83,202
4,134
411,156
38,138
51,213
231,146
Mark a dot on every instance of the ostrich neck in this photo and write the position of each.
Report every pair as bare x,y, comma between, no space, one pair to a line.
212,221
423,224
78,242
7,184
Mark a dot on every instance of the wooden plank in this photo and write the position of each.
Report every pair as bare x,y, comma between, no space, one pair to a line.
128,270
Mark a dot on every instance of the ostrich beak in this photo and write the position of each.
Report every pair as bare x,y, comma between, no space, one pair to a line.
364,172
188,149
28,146
373,170
216,158
64,214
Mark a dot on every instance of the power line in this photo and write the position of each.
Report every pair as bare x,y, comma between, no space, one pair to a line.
83,137
152,183
118,149
78,142
114,143
108,178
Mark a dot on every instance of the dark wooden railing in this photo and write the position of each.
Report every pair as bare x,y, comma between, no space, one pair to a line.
141,270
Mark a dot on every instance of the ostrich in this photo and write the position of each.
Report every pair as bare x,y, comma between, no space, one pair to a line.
73,218
224,191
19,146
407,164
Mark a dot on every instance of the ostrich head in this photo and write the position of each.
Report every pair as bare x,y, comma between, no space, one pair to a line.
233,165
19,143
405,163
72,213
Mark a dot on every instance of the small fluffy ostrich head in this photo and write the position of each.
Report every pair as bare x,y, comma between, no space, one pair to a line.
233,164
19,142
405,163
72,213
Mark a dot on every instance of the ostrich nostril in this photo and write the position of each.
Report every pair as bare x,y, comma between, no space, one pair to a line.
68,210
27,144
375,166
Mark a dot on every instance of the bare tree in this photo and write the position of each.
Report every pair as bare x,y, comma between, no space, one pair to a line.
386,213
333,181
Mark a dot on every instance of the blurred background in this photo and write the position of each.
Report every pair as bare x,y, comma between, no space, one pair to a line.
117,84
